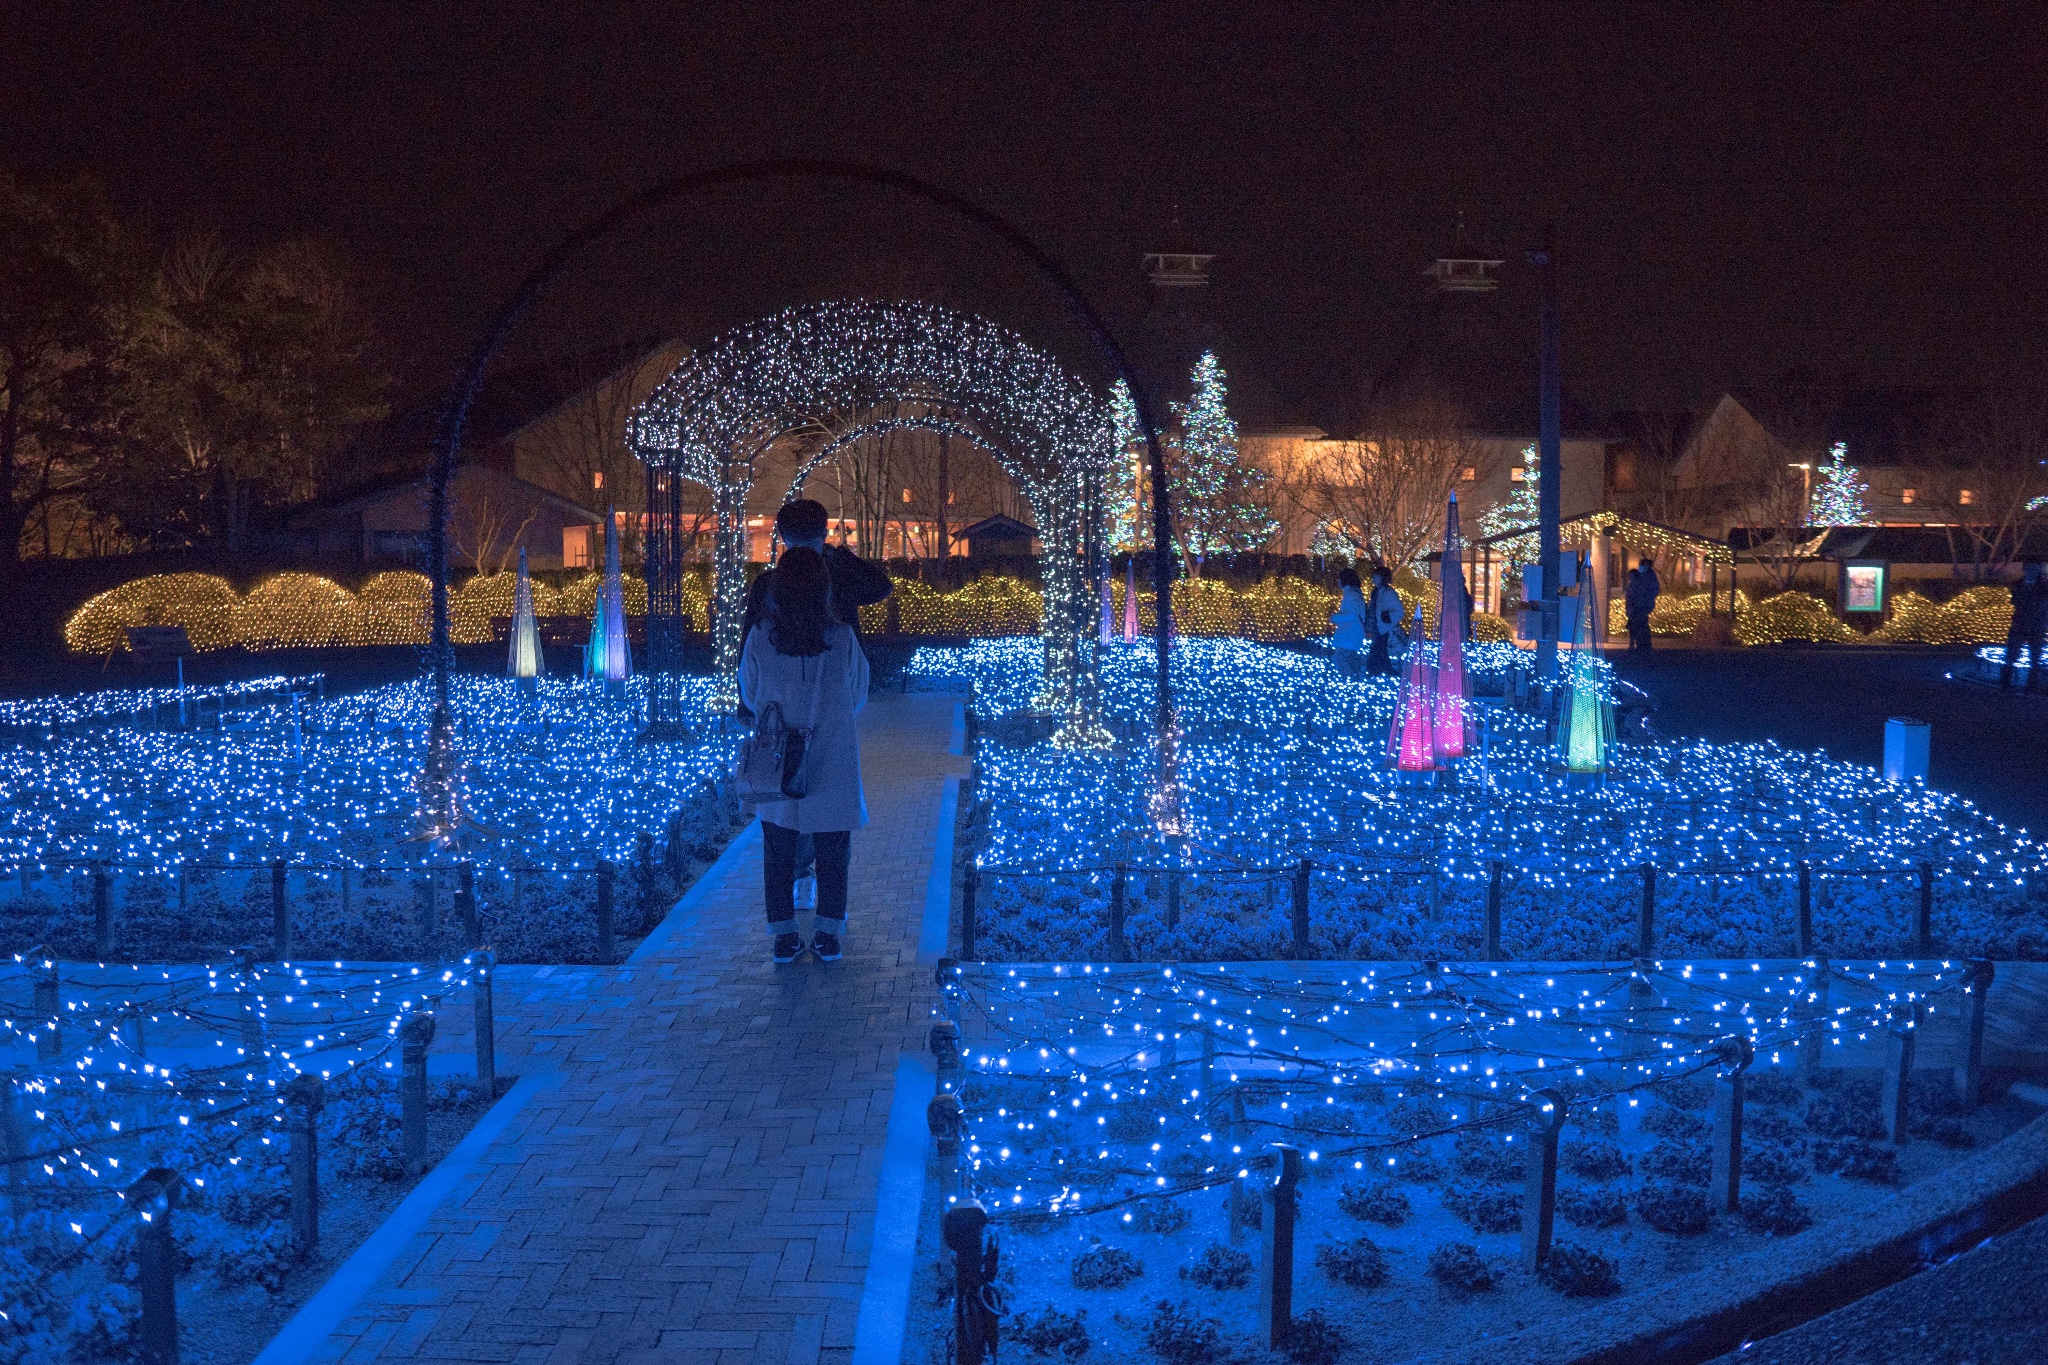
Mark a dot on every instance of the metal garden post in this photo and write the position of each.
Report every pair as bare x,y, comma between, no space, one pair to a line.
1646,922
1725,1183
280,914
1302,871
1923,926
152,1198
964,1230
1276,1249
607,876
414,1037
306,1094
49,1010
1494,872
1805,910
465,906
1972,1079
1901,1039
481,965
1119,892
102,915
1539,1198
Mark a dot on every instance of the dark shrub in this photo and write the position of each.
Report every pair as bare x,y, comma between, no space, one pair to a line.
1049,1332
1103,1266
1417,1114
1421,1166
1665,1121
1133,1123
1488,1156
1687,1160
1773,1163
1592,1206
1459,1265
1847,1111
1357,1262
1578,1273
1315,1340
1946,1129
1774,1210
1595,1160
1604,1121
1156,1215
1774,1125
1690,1093
1376,1201
1180,1335
1183,1166
1486,1208
1680,1209
1221,1267
1857,1159
1772,1090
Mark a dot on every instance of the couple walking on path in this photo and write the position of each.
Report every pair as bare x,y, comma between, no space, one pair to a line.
803,655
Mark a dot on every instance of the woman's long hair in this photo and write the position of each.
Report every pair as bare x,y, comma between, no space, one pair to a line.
801,597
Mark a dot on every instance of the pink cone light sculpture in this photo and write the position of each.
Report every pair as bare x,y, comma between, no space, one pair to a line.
1452,703
1411,741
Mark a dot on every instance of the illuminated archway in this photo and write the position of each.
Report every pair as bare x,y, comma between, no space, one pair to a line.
826,374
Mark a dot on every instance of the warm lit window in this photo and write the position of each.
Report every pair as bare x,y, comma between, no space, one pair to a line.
952,498
906,495
1469,473
1905,495
1518,474
1966,497
597,478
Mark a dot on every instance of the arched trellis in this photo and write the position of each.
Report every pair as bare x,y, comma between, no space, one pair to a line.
439,814
830,372
880,426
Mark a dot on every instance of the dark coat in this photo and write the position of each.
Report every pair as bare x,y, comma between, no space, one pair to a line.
855,584
2029,609
1639,598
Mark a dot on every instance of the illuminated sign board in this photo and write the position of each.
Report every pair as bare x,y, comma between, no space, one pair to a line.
1863,585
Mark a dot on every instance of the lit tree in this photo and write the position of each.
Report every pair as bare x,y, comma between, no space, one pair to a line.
1518,513
1220,502
1122,501
1838,491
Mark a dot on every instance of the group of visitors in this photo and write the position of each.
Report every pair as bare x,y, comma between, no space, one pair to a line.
1357,617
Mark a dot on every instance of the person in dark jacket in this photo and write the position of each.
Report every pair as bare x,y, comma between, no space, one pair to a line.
854,584
1639,599
1383,621
2029,624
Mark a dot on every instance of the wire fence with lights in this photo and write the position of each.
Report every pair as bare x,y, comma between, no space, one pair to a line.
158,1119
1115,1093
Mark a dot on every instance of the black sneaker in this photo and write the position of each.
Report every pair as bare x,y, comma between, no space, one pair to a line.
789,947
826,946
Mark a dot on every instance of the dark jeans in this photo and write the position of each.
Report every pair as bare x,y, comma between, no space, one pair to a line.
1347,662
2019,640
778,873
1376,660
1639,631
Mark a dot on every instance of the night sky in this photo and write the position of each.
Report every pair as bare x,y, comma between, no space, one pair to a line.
1736,189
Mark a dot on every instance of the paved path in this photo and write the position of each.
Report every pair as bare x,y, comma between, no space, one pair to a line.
700,1185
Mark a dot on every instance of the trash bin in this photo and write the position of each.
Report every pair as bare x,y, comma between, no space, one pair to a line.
1905,749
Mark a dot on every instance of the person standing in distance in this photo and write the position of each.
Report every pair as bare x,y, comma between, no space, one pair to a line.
1348,624
811,666
802,524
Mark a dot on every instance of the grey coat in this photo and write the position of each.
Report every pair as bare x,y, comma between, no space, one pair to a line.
836,801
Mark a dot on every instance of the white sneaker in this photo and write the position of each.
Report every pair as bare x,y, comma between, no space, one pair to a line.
806,893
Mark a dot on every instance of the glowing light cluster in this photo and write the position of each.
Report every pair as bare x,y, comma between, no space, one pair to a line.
1974,616
302,610
1282,760
185,1068
1092,1088
553,779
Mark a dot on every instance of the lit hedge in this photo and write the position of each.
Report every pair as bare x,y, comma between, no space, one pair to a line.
203,603
298,610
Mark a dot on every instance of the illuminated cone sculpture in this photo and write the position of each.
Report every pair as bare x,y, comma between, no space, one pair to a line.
526,662
1411,740
1452,702
1588,716
1107,631
609,655
1131,600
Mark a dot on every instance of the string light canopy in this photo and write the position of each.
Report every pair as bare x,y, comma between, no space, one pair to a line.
823,374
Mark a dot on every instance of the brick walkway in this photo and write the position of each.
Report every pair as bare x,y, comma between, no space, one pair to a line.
700,1185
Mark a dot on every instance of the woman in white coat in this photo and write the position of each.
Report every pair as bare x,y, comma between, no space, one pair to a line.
809,663
1348,623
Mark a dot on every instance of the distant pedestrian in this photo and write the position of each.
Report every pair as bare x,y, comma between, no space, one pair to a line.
1639,599
1385,622
2029,624
1348,623
810,666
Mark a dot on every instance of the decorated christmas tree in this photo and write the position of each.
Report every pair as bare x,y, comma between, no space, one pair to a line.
1220,502
1519,513
1838,490
1122,503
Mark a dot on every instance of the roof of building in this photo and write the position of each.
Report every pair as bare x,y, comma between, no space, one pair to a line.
999,526
365,495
